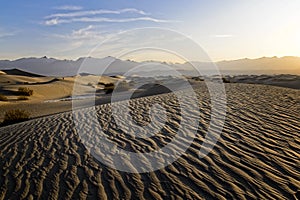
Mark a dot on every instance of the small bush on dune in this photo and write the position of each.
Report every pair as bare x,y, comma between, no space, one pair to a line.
22,98
25,91
3,98
121,87
225,80
14,116
109,88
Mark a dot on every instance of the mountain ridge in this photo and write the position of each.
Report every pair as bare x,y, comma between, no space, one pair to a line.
48,66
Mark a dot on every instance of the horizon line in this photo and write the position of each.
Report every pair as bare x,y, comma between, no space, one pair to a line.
173,62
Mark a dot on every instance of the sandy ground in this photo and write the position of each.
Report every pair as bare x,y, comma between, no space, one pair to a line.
47,90
283,80
53,95
256,157
44,89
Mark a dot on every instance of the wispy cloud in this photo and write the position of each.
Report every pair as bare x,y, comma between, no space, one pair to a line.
57,21
84,39
85,33
7,34
223,36
94,16
68,7
95,12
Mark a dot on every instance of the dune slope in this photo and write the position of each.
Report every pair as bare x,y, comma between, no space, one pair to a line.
256,157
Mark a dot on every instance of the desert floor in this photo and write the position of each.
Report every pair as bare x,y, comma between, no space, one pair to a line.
47,92
256,157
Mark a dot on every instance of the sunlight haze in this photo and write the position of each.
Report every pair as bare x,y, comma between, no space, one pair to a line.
226,30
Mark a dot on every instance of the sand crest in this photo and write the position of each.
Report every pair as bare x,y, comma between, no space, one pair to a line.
256,157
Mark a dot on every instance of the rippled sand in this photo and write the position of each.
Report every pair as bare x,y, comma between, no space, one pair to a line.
256,157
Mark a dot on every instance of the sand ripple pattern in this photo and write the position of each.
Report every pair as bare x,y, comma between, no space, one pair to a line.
256,157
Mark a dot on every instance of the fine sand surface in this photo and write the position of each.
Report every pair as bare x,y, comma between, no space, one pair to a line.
47,91
256,157
282,80
46,88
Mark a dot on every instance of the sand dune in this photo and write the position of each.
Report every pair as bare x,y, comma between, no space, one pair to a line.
19,72
256,157
283,80
46,88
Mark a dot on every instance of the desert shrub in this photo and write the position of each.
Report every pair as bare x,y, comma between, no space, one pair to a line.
109,88
225,80
123,86
3,98
14,116
197,78
22,98
25,91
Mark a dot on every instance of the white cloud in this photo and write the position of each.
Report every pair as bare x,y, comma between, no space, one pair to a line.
84,32
68,7
92,16
7,34
52,22
87,33
95,12
84,39
101,19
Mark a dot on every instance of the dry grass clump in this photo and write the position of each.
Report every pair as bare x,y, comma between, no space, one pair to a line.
3,98
225,80
22,98
109,88
15,116
25,91
122,86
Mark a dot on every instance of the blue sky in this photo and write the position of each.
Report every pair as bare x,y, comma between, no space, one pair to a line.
227,29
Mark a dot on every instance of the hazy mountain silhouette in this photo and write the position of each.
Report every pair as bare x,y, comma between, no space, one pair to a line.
111,65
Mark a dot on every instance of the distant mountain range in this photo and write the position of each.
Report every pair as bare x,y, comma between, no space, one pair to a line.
264,65
55,67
